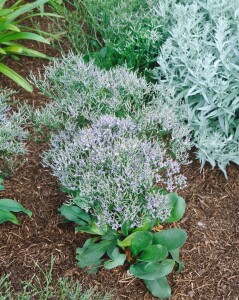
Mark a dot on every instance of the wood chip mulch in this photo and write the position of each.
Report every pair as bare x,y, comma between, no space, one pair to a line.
211,221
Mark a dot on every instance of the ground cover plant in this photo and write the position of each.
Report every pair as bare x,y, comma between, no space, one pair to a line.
199,60
120,189
81,93
12,134
114,32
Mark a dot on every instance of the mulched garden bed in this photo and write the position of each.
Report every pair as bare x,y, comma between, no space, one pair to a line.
211,221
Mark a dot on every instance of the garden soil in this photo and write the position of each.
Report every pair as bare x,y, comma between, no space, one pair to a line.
211,221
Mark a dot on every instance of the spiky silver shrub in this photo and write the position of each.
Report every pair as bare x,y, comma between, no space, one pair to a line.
12,135
200,59
116,174
83,92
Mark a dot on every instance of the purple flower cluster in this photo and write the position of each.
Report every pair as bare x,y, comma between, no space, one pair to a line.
114,171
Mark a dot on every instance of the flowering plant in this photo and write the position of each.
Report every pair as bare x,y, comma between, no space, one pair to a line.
12,135
120,185
151,255
108,166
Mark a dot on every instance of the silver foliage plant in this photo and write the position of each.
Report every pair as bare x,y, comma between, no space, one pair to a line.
12,135
163,117
200,61
82,92
116,174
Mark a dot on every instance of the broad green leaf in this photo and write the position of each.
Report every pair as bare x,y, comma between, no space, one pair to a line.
11,205
11,27
5,11
159,287
127,241
8,216
23,36
146,226
154,253
175,255
24,9
74,213
118,259
93,253
140,241
152,270
178,210
172,238
125,229
15,77
13,49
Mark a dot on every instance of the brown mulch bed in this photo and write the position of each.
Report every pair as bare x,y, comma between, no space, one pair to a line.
211,221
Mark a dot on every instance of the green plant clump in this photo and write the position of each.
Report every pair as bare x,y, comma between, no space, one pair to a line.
12,134
12,29
81,92
121,187
114,32
200,62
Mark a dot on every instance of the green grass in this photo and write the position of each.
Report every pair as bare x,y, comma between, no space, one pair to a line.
44,288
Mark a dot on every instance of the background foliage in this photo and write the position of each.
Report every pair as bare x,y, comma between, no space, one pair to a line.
199,61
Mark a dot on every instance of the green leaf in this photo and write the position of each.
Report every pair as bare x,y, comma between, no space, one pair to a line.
11,27
125,229
15,77
172,238
147,225
152,270
154,253
74,213
179,207
159,287
140,241
8,216
24,9
23,36
93,253
117,259
127,241
11,205
175,255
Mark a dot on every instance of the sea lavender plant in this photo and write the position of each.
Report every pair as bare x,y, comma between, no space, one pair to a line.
163,119
12,135
200,60
82,92
117,176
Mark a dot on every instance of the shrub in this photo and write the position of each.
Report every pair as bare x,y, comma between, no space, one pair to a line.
119,185
82,92
163,119
200,61
12,135
114,32
113,172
